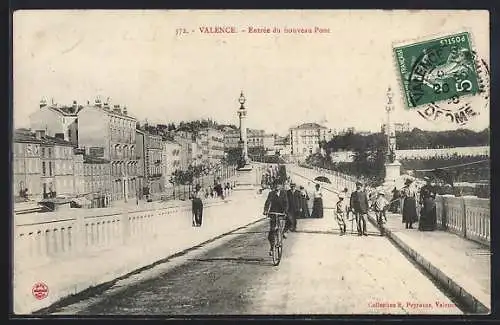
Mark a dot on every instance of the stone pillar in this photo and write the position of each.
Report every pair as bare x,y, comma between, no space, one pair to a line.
242,113
392,171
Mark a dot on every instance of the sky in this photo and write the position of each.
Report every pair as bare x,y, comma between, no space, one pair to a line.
136,59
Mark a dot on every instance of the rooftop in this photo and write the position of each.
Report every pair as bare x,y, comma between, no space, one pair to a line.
25,135
310,126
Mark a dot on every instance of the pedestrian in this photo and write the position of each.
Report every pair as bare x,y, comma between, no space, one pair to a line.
428,211
409,204
359,205
341,211
395,201
304,202
294,206
317,211
380,207
197,206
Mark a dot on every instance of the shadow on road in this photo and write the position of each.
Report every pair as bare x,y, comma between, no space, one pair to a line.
370,233
248,232
240,260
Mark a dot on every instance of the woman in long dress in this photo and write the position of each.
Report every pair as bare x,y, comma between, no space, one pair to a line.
317,211
428,212
197,207
409,204
304,202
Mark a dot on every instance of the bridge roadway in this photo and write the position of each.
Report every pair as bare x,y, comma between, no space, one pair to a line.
320,273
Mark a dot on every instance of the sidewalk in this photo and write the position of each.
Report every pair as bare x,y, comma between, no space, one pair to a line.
74,275
460,265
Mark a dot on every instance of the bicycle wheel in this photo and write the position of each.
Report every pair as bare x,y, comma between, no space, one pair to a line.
276,250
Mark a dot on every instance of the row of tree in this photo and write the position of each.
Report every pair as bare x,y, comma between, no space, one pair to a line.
414,139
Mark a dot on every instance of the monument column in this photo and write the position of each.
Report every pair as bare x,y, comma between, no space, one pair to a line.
242,113
392,166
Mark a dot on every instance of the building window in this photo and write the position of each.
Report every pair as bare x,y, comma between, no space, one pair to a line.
50,168
69,134
43,152
44,170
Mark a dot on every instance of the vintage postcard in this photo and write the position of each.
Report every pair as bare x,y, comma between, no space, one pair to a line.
251,162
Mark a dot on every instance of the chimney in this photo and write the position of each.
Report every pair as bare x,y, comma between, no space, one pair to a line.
40,134
124,110
98,102
43,103
117,109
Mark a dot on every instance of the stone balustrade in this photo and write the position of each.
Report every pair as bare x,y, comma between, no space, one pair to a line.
466,216
44,237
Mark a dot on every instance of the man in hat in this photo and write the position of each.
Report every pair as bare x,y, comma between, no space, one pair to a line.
359,205
276,202
294,207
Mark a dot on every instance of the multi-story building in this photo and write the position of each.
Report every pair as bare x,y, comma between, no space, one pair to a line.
305,138
97,180
109,133
186,140
212,141
171,157
256,139
398,127
26,163
78,172
149,152
46,166
55,120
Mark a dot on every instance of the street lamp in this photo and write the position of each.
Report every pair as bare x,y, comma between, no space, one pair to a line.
242,100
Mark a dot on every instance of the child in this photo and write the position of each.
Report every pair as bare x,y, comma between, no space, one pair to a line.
340,211
380,207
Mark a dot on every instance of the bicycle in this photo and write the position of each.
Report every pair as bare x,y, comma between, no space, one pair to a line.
277,250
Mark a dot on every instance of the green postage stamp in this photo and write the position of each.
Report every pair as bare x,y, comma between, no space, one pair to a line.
437,70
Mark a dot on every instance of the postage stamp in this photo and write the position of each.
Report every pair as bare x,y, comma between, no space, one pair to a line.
437,70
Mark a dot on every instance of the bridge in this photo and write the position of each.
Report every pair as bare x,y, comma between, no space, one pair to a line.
148,259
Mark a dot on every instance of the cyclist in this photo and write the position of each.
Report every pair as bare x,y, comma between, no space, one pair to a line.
276,202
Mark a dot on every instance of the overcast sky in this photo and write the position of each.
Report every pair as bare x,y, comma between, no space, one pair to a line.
136,59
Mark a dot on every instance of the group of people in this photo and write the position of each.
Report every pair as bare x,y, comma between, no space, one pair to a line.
409,198
427,207
358,207
293,203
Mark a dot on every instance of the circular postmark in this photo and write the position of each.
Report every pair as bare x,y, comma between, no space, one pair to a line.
459,110
40,290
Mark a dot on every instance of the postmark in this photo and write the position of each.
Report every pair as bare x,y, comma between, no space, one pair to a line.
460,110
437,70
40,290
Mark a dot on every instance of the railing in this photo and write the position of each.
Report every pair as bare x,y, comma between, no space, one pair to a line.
466,216
42,238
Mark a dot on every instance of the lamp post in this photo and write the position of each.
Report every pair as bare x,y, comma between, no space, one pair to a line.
242,113
392,166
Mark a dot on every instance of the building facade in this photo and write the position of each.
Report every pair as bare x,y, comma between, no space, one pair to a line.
109,133
256,139
149,150
171,157
57,159
97,180
305,138
212,141
26,165
56,120
78,170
